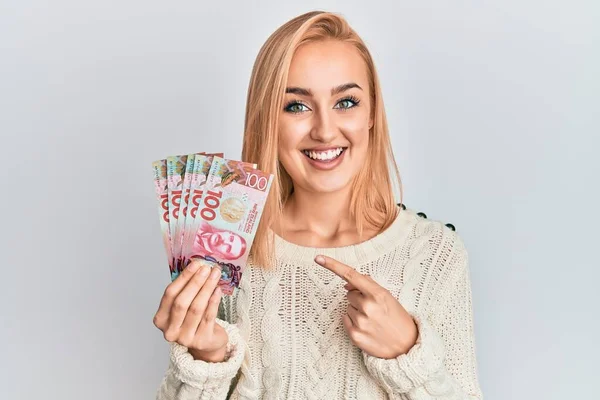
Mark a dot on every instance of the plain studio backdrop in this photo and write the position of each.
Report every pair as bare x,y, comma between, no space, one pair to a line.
493,109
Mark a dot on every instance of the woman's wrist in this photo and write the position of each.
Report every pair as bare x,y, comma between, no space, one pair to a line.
216,356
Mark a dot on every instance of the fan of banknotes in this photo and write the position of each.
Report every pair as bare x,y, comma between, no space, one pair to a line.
209,210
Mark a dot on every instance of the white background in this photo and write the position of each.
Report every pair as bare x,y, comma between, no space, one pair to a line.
493,109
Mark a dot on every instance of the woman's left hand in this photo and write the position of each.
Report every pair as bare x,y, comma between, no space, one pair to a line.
376,322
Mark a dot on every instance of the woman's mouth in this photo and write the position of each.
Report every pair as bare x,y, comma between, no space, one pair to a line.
326,155
325,159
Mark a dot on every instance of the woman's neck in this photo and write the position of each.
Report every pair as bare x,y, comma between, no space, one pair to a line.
321,220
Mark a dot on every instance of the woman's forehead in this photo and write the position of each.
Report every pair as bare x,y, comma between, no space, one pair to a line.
320,66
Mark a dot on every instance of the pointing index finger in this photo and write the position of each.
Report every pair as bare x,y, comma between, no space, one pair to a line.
345,272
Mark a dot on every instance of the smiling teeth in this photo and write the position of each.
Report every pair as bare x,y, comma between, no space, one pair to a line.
324,155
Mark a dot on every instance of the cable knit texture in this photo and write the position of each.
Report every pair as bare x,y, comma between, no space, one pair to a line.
288,340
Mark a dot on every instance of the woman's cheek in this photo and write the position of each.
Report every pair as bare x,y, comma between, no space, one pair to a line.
286,159
288,136
357,128
298,130
292,134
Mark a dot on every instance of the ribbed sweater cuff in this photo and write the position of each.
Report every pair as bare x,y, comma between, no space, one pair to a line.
208,375
413,369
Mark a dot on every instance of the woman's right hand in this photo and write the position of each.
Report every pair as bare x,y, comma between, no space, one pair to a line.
188,309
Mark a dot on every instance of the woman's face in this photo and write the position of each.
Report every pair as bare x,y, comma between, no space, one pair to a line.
325,121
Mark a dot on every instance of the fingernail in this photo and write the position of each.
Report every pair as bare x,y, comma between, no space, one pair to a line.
319,259
193,266
204,270
216,273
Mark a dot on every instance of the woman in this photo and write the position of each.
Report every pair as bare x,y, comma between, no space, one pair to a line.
401,327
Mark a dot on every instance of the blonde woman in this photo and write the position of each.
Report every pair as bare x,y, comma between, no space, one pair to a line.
347,295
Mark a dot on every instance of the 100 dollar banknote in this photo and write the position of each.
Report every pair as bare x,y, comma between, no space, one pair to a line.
194,173
227,218
182,212
175,173
161,188
188,186
202,168
200,171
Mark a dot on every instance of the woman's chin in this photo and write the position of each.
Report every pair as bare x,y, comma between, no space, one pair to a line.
326,186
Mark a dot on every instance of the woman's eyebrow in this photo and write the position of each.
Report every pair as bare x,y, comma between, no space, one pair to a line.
299,91
344,87
307,92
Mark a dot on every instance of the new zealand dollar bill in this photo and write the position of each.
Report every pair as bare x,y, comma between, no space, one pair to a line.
160,185
227,218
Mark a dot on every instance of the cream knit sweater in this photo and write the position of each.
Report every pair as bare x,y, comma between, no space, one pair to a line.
285,325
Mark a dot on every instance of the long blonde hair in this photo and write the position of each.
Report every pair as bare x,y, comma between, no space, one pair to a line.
372,203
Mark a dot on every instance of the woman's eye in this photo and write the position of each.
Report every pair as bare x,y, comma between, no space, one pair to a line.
296,108
345,104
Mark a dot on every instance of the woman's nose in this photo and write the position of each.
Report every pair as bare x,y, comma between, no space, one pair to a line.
324,129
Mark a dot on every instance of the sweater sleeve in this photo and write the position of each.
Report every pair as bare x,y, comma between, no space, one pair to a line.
189,379
442,363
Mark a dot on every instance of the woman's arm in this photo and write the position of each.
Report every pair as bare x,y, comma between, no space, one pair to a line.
442,364
190,379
